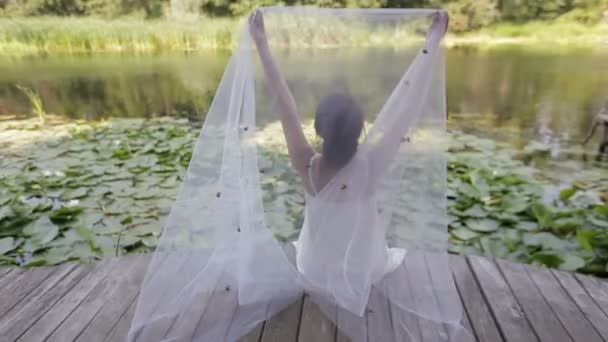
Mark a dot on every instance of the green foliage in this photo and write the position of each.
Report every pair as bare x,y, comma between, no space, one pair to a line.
498,210
35,101
466,14
74,198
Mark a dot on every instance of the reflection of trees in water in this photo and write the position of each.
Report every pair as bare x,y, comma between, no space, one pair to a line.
130,86
511,83
505,86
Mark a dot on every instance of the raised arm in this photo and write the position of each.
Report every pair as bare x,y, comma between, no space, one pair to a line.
402,110
299,149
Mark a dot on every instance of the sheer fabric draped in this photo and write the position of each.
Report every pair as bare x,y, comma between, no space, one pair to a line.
225,261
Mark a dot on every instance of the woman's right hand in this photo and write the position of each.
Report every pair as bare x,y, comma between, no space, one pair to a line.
440,22
256,27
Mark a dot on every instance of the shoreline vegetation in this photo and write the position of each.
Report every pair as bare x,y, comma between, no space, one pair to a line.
63,35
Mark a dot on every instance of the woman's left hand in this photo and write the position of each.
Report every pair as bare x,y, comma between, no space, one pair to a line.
256,26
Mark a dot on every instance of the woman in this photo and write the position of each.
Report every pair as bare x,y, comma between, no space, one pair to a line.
342,246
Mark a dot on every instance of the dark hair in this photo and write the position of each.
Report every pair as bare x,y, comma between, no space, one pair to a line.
339,121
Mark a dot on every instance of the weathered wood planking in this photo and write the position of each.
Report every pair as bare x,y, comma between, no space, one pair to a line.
481,319
284,326
116,304
509,316
590,309
315,326
502,301
563,306
68,303
40,300
544,322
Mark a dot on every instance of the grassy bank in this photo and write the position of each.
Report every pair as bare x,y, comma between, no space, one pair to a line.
541,33
26,36
79,35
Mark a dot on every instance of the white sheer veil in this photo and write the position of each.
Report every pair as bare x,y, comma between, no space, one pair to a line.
225,261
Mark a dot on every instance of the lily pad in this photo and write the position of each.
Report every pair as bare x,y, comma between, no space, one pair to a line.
572,263
527,225
41,231
6,245
464,234
483,225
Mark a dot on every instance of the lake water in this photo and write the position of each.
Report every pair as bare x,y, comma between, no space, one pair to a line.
513,94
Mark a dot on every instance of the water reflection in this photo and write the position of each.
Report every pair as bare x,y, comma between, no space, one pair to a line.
513,94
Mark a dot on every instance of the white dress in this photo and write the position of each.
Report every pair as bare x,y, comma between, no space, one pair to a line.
344,263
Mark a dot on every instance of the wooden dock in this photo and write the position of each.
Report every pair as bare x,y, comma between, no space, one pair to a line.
503,301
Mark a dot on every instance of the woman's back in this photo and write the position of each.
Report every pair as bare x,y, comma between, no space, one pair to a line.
342,246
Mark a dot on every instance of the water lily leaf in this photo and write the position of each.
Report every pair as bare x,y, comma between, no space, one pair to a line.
150,241
57,255
584,199
127,240
568,223
464,234
483,225
527,225
601,210
493,247
7,245
565,194
149,193
64,214
572,263
543,214
585,238
544,240
514,204
547,258
5,212
41,231
83,251
597,222
475,211
75,194
36,261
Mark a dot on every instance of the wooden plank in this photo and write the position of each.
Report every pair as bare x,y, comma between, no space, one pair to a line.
255,335
117,303
315,326
187,322
508,314
588,306
349,325
5,270
544,322
16,288
5,287
483,324
283,327
423,293
45,326
379,322
217,316
78,319
121,329
158,328
405,324
597,289
41,300
563,306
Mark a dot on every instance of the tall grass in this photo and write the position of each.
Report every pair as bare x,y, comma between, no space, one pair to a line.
77,35
559,32
23,36
36,102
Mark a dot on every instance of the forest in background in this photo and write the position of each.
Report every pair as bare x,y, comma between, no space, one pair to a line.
466,15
